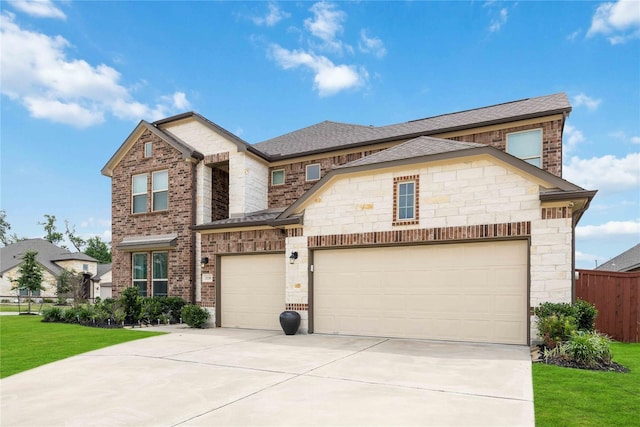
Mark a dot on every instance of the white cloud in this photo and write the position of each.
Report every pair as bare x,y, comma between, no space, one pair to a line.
620,21
608,173
581,256
326,25
611,228
371,45
572,137
571,37
273,16
499,21
37,73
635,139
329,78
38,8
584,100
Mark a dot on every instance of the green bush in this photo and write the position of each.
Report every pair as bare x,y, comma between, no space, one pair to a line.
52,314
589,348
72,315
167,309
586,314
132,305
195,316
555,329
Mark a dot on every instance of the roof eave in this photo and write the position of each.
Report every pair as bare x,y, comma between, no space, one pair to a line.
275,223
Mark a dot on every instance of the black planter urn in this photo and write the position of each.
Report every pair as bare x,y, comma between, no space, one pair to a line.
290,321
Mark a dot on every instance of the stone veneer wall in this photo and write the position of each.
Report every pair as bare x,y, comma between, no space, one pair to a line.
176,219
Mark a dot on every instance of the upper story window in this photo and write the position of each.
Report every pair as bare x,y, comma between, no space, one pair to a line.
148,149
313,172
160,190
85,267
277,177
405,200
526,145
139,193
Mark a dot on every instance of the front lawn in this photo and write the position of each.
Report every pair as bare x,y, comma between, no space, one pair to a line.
26,342
577,397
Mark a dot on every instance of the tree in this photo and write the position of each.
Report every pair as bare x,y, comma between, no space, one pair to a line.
53,235
64,285
4,228
98,249
30,275
77,241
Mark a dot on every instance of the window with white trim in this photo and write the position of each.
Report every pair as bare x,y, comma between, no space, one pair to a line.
313,172
139,193
406,201
160,273
526,145
160,190
148,149
406,207
139,273
277,177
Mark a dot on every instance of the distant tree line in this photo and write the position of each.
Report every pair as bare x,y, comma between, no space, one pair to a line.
94,246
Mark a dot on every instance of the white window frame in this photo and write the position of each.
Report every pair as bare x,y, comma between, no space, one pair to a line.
155,191
528,159
148,149
306,172
399,201
141,193
154,279
143,281
283,176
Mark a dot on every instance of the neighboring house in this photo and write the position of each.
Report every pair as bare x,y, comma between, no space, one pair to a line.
51,258
627,261
102,281
449,227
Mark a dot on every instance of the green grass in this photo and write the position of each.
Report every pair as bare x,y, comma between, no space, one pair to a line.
26,342
576,397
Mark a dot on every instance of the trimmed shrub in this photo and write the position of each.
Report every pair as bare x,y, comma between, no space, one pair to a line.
195,316
586,314
132,304
52,314
555,328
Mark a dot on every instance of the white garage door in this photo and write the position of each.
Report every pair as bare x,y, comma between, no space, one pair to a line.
252,291
462,292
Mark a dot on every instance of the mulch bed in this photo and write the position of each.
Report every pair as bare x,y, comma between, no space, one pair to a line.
570,363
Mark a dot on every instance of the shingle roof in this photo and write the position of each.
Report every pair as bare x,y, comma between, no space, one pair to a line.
417,147
331,135
11,255
629,260
266,217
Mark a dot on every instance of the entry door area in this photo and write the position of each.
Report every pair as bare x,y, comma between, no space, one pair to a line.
252,291
462,292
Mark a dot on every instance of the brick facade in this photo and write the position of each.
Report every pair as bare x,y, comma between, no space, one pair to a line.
551,142
177,219
254,241
295,183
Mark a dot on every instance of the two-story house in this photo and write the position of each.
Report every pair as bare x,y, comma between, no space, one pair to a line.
449,227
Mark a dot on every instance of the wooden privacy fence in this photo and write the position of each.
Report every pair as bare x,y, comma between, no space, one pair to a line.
617,298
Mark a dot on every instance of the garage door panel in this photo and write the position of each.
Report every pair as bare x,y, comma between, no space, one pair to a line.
469,292
252,291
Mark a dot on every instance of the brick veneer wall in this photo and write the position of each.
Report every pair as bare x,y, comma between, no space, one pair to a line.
219,194
551,142
295,183
176,219
253,241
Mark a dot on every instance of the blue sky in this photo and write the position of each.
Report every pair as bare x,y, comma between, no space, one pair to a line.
78,76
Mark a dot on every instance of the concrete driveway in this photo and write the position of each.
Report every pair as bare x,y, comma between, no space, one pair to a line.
235,377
